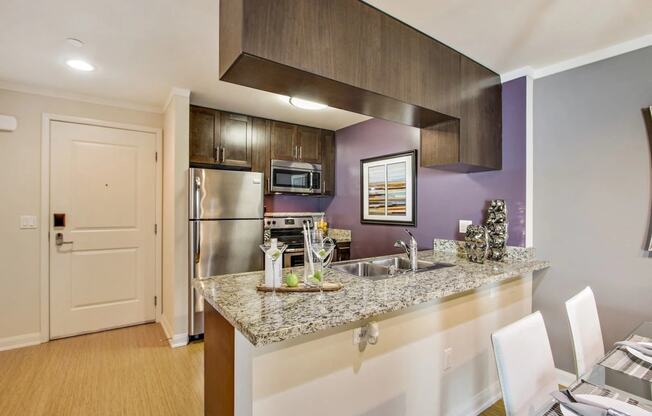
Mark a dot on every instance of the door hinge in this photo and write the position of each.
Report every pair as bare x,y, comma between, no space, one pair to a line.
155,228
155,156
155,300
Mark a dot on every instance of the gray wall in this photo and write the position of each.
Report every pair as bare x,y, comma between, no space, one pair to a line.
592,194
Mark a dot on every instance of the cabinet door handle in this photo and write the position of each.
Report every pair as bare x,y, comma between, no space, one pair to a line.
300,152
216,154
223,154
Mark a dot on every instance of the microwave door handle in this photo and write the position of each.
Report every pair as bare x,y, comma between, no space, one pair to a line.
310,183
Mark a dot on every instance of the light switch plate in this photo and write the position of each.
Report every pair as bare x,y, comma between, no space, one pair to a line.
464,224
28,222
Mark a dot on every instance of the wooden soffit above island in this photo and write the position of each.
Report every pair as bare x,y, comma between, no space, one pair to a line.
351,56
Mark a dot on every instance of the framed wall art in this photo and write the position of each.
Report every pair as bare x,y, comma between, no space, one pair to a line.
388,189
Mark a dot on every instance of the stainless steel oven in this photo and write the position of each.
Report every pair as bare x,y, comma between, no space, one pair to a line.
295,177
293,257
288,229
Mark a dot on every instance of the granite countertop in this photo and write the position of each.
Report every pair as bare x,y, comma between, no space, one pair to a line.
340,236
265,321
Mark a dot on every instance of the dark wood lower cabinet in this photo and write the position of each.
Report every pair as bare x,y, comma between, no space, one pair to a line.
343,251
219,364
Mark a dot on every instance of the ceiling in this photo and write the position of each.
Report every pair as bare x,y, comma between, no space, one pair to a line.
506,35
144,48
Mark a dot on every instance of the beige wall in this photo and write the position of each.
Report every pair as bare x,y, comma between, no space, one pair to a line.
175,218
20,194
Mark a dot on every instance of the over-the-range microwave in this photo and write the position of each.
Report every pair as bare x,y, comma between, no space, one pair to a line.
295,177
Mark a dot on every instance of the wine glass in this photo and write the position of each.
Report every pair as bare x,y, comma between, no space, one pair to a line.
322,249
273,252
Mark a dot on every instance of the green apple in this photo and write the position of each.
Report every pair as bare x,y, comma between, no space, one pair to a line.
317,276
292,280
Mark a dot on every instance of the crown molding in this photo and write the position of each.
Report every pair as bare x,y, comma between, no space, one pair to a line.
55,93
586,59
526,71
178,92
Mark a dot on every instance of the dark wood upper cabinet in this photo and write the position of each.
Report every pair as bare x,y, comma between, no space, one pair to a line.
474,142
204,123
234,147
260,160
282,141
308,142
328,162
352,56
220,139
343,53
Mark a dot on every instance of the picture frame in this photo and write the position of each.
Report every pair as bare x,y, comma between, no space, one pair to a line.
388,189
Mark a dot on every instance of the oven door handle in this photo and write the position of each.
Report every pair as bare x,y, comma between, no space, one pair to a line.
294,250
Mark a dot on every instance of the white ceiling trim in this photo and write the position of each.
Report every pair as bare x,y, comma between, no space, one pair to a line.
589,58
54,93
176,91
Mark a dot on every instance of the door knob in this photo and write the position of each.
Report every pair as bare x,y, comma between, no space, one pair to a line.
59,240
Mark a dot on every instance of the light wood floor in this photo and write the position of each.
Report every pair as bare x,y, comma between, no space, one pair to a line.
497,409
129,371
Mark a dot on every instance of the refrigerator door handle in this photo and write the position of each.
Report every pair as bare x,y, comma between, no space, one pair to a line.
197,234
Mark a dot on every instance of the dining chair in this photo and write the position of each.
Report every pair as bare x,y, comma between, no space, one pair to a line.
586,334
526,369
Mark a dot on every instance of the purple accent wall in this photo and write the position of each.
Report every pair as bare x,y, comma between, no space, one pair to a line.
293,203
443,197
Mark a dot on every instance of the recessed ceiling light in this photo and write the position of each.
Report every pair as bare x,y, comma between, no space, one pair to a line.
80,65
306,105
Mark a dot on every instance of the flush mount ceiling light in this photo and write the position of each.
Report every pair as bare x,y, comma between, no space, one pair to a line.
80,65
75,42
306,105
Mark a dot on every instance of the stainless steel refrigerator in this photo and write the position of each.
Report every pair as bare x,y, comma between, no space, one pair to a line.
226,228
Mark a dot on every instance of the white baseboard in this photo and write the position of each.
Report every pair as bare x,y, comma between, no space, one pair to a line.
175,340
481,401
565,378
19,341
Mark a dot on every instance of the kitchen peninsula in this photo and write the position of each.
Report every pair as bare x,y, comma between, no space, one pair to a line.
295,354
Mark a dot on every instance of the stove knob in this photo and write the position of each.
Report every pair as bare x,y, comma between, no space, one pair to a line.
274,222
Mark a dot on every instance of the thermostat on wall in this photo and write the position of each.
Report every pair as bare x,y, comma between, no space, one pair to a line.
8,123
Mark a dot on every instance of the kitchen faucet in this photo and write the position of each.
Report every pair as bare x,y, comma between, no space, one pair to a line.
410,250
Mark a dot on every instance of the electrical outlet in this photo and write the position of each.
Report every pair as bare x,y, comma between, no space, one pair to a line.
357,336
448,358
464,224
28,222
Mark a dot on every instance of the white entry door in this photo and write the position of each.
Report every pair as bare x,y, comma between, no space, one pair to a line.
102,254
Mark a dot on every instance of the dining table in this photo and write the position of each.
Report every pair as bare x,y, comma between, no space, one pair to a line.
623,374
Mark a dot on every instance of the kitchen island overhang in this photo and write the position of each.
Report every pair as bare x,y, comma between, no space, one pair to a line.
264,357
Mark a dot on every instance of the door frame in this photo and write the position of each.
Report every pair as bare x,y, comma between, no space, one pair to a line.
45,209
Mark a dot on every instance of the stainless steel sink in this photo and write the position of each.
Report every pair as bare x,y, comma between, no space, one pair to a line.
401,263
384,268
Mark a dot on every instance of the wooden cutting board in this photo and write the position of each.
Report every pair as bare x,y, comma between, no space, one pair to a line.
328,287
